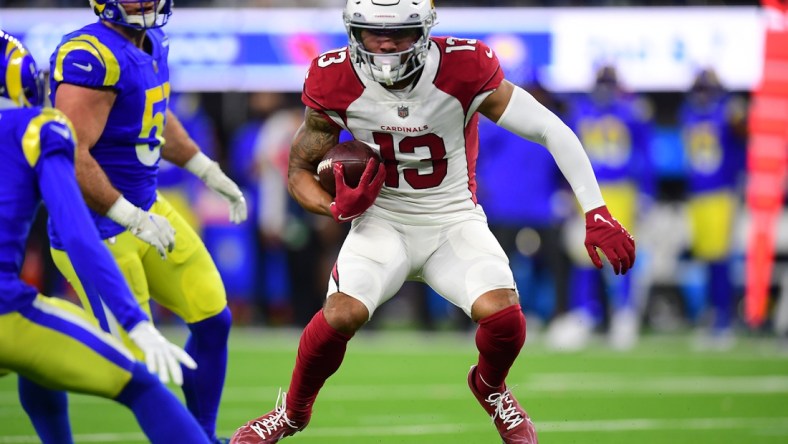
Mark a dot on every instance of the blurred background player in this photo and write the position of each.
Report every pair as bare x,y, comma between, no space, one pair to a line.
111,79
713,130
415,99
306,241
615,131
50,342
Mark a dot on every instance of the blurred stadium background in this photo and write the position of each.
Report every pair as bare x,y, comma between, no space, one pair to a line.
237,69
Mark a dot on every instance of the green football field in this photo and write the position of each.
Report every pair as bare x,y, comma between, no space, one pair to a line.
397,387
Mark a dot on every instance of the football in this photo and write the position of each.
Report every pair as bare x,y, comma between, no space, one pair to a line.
353,155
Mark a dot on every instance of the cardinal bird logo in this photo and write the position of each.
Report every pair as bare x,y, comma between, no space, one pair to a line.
402,111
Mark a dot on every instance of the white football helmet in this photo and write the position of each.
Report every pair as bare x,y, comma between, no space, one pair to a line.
113,11
389,15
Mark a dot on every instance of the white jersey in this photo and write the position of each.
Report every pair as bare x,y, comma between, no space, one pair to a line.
427,136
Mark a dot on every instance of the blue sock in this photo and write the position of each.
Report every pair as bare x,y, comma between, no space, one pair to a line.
202,388
161,416
619,290
584,293
721,294
48,411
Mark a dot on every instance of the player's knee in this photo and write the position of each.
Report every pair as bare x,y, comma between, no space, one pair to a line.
493,302
506,325
344,313
141,382
223,321
214,329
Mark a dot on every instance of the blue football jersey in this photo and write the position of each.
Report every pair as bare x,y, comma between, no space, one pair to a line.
26,136
616,138
37,146
129,149
715,155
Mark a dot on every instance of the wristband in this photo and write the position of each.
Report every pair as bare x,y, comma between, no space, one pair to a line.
123,212
198,164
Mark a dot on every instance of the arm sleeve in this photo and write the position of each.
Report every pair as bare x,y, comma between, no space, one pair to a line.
526,117
93,263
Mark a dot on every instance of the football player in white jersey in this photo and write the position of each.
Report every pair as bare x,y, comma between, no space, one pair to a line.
415,99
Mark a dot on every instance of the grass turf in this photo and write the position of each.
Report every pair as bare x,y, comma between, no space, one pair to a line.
399,387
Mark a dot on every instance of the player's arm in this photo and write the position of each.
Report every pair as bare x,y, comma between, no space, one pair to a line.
97,270
88,109
311,142
516,110
183,151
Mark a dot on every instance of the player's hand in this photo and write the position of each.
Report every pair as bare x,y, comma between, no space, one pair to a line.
155,230
161,356
351,203
604,232
149,227
213,176
216,180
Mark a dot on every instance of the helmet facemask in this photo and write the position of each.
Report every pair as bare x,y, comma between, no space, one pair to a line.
113,11
388,68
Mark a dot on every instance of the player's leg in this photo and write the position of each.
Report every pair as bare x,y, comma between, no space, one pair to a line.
191,294
370,268
188,283
39,399
57,346
721,295
47,410
711,222
572,329
487,293
159,413
622,199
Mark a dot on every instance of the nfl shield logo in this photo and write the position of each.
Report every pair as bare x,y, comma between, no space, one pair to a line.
402,111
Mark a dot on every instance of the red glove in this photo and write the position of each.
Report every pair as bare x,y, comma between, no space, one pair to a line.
603,231
350,203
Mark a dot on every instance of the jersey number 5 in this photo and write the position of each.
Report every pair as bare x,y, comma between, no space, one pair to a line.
149,152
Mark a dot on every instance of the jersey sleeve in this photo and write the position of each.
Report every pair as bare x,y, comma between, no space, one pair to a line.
467,69
47,134
97,271
331,85
83,60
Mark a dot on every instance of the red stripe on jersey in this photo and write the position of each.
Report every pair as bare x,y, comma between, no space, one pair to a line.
467,69
472,153
331,84
335,275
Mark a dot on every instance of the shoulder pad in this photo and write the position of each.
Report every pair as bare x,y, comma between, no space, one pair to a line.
47,133
83,60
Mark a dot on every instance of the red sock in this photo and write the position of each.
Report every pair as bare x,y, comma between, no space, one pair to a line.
499,339
320,352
